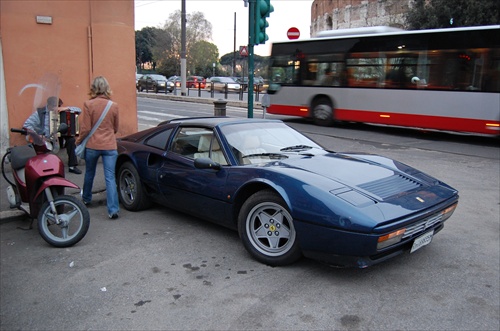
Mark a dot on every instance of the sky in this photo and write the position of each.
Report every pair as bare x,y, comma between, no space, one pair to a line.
221,14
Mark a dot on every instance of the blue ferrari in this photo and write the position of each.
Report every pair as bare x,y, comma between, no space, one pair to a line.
286,195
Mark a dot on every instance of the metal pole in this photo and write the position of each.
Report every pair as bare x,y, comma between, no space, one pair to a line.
251,40
183,48
234,46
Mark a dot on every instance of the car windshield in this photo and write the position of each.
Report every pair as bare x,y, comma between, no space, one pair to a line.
158,77
262,141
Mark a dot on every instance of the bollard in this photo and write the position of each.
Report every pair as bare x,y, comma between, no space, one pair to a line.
220,107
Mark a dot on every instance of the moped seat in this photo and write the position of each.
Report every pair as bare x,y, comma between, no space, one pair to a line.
20,155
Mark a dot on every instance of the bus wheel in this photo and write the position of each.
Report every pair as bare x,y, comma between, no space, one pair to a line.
322,113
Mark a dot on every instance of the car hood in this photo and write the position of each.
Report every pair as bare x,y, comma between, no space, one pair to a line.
364,180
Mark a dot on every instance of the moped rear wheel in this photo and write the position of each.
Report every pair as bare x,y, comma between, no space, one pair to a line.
72,216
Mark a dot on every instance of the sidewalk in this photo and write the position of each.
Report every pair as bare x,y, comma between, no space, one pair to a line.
99,187
98,196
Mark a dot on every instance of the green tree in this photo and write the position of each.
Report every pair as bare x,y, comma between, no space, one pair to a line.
432,14
260,64
145,41
168,47
202,56
165,54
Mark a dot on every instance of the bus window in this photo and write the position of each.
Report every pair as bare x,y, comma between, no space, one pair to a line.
364,71
402,72
311,74
330,74
459,70
284,70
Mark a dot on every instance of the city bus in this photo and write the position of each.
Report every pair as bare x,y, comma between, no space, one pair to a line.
441,79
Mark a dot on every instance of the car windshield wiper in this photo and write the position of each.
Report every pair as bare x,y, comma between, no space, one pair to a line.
270,155
295,148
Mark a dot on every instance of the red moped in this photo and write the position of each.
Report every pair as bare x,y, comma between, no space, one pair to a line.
39,182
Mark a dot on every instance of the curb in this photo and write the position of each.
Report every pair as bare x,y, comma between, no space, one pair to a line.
15,214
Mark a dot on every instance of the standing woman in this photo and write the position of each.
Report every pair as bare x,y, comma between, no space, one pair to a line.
101,143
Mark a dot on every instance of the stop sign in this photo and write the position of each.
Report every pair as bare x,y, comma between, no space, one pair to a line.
293,33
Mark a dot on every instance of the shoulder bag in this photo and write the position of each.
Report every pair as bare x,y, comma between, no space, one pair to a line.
80,149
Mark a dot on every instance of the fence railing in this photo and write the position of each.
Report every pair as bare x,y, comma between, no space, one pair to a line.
211,91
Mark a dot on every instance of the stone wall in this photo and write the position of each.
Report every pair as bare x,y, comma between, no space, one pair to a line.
345,14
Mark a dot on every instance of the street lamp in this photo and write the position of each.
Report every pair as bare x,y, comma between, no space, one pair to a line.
213,70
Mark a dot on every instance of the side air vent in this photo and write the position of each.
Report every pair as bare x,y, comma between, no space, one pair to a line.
389,186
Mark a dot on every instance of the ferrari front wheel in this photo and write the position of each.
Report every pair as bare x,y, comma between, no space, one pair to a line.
266,229
130,190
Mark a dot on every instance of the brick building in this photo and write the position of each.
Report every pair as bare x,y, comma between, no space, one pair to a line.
73,41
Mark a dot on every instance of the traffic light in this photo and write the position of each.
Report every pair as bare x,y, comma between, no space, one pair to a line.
263,9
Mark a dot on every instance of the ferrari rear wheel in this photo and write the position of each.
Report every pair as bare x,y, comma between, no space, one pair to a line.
266,229
130,190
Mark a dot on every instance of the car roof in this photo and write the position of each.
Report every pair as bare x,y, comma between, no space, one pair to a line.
158,76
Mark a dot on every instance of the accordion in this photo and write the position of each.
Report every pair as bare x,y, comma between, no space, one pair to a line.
69,117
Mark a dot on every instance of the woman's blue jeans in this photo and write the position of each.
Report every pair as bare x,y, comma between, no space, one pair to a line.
109,161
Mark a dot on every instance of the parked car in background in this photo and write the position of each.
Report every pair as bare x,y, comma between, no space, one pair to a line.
258,83
154,82
195,82
176,80
137,76
286,195
239,80
220,83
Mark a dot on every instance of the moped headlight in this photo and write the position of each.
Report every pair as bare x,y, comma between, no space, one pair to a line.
49,145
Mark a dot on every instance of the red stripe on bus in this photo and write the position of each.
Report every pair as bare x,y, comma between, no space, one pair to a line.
288,110
396,119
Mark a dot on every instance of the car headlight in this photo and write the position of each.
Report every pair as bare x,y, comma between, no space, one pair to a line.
448,212
390,239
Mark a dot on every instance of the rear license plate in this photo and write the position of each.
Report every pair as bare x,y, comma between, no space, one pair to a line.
421,241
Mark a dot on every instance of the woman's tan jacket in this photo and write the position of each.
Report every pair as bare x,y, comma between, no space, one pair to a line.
104,137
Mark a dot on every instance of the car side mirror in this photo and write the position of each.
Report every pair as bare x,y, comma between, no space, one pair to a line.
206,163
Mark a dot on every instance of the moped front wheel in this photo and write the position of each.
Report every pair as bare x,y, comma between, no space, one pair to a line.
68,226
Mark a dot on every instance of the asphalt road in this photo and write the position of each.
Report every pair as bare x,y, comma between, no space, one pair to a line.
159,269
